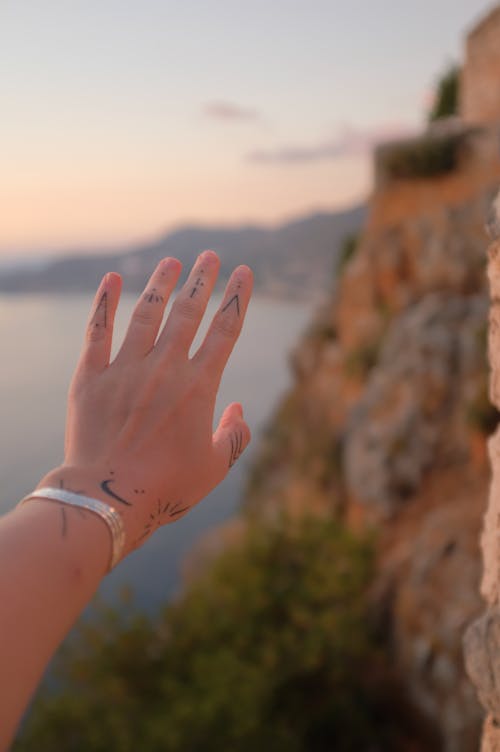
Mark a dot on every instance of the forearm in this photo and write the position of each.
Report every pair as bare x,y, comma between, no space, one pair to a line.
52,559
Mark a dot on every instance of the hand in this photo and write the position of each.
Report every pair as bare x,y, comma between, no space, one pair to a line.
139,429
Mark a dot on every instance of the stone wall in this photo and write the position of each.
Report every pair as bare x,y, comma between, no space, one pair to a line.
480,86
482,639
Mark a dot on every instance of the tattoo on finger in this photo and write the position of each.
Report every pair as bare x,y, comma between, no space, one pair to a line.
199,283
236,440
235,300
153,296
100,318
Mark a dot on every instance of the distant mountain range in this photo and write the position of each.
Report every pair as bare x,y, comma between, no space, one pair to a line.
296,258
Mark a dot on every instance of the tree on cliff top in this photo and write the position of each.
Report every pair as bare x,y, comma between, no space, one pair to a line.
447,92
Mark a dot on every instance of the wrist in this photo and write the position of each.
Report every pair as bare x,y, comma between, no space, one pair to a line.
92,482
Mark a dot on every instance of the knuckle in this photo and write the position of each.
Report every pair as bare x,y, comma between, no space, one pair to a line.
188,309
96,333
226,326
144,316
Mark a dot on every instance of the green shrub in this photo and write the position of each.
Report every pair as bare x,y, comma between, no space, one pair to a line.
271,649
426,157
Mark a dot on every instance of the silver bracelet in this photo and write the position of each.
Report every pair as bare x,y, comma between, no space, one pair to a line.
108,514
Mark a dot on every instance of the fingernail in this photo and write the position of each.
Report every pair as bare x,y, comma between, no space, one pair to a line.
208,256
244,271
169,263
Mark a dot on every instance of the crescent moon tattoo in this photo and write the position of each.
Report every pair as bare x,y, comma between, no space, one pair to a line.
105,487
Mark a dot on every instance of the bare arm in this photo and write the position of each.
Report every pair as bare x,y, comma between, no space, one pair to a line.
138,437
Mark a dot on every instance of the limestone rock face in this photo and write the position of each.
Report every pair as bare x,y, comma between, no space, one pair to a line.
412,410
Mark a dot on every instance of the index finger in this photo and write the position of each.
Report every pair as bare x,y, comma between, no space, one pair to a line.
226,325
96,349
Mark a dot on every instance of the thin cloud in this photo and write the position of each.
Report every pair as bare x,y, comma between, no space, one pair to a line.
350,141
229,112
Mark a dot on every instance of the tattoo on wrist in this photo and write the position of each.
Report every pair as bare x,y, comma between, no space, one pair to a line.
61,485
63,510
64,522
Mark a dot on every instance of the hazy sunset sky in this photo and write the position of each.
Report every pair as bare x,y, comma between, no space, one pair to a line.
124,118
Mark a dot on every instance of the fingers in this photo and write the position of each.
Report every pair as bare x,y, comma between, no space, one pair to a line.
190,304
226,324
99,331
148,312
230,439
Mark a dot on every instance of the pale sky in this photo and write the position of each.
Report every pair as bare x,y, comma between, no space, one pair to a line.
121,119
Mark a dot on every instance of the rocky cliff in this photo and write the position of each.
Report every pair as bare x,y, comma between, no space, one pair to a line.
387,421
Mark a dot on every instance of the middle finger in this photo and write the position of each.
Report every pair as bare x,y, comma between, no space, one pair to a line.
189,305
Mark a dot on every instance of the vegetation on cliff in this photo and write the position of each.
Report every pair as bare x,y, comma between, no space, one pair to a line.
272,648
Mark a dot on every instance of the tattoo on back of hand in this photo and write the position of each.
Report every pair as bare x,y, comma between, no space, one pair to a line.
157,517
105,487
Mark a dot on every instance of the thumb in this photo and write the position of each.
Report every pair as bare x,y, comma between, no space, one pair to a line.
231,438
